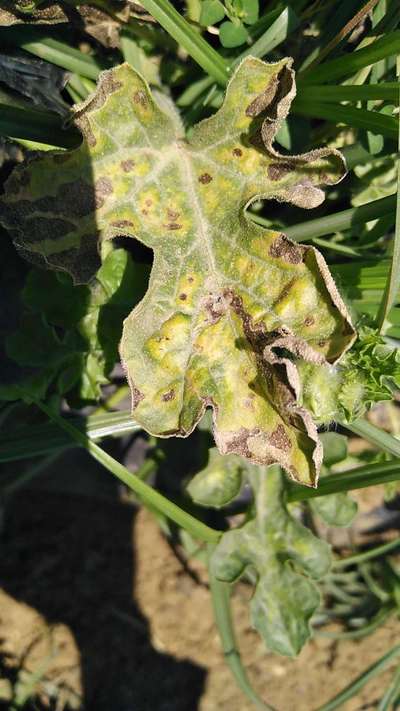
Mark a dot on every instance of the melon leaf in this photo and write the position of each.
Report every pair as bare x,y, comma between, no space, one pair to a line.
229,303
284,555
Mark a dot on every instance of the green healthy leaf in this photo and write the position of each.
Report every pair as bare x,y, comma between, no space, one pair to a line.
212,11
227,300
277,546
219,482
250,11
91,323
232,35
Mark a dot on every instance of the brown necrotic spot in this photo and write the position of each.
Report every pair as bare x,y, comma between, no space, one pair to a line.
84,124
183,297
276,171
108,85
103,188
205,178
264,99
169,395
127,165
122,223
137,396
173,226
279,439
172,214
309,321
62,158
237,152
282,248
140,97
190,280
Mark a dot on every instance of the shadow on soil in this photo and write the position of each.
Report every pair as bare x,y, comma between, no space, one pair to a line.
70,556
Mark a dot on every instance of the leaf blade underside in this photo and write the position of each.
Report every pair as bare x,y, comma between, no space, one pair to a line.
228,301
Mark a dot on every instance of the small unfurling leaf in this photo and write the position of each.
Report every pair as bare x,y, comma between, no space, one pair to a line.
219,482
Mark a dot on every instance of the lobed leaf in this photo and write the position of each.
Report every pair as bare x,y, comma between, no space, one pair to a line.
284,555
229,303
219,482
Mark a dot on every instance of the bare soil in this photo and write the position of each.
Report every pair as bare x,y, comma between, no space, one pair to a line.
94,599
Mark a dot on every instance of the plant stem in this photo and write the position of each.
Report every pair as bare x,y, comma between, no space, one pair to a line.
373,434
359,478
354,687
176,26
220,594
147,494
367,555
393,283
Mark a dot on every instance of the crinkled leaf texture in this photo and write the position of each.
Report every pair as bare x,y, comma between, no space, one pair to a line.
282,552
219,482
11,14
228,301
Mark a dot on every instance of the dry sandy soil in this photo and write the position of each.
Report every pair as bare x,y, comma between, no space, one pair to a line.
93,598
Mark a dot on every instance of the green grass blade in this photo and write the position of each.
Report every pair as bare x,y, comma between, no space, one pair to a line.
367,555
386,46
146,493
388,91
338,221
220,595
176,26
380,438
35,440
343,32
277,33
56,52
372,121
360,478
390,294
350,691
386,703
39,126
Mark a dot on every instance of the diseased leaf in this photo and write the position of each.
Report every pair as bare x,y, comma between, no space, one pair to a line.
335,448
335,509
282,552
219,482
14,13
229,303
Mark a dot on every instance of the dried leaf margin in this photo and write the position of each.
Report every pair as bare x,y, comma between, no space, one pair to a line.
226,297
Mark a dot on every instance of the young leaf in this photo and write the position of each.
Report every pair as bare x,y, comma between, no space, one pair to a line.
250,11
272,543
212,11
219,482
232,35
336,509
227,299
